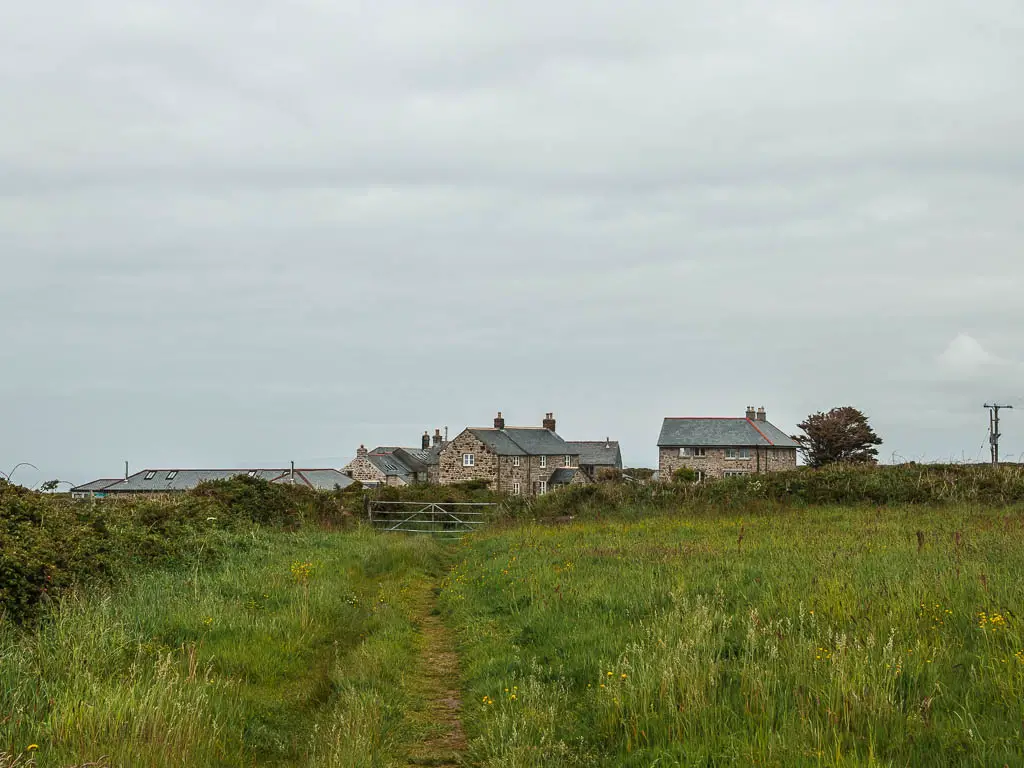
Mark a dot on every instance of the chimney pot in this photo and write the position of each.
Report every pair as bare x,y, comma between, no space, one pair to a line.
499,421
762,415
437,437
426,440
361,451
751,414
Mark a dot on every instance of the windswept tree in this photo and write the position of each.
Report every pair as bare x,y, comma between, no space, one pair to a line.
842,435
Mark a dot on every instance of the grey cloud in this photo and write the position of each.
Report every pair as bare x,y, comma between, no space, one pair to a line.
235,231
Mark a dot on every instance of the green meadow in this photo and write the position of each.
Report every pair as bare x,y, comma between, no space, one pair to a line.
301,650
697,636
823,636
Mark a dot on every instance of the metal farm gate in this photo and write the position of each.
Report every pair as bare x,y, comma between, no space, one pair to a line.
450,521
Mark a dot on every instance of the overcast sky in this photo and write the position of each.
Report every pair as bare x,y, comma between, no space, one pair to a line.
240,233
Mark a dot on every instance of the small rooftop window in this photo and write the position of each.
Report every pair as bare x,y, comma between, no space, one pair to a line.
150,475
172,475
252,473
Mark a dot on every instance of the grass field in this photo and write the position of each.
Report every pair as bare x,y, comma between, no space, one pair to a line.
825,636
817,636
300,651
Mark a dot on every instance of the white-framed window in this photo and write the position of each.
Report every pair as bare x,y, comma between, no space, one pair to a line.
252,473
737,453
173,474
543,462
516,490
542,487
701,475
693,453
515,461
150,475
468,460
568,461
735,473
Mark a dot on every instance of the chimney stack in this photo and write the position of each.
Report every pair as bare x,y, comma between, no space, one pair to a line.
499,422
361,451
549,422
426,441
762,415
750,413
437,437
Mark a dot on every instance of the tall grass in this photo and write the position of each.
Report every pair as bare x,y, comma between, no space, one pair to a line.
295,652
821,636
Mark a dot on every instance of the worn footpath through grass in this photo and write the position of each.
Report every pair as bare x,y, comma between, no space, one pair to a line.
309,649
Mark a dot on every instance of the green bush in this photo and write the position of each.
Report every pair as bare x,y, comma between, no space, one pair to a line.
49,542
685,475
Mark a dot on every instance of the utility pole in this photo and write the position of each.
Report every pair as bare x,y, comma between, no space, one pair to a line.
993,429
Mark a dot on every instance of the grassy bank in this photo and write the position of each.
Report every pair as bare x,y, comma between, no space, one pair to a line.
822,636
299,651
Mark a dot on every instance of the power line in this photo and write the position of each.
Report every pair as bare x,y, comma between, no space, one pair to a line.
993,429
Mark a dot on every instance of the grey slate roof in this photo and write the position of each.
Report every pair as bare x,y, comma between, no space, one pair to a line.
433,456
721,432
523,441
498,441
96,485
416,454
172,480
390,464
563,476
598,453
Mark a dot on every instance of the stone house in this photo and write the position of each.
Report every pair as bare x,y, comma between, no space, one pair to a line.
724,447
396,465
527,461
596,455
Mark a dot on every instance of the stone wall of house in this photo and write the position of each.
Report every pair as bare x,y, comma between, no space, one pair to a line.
716,465
363,470
581,478
511,474
450,468
500,471
594,470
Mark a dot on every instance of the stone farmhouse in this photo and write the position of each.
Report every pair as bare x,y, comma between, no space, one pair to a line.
724,447
527,461
397,466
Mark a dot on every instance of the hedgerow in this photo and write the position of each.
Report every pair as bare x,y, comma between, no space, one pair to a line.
50,543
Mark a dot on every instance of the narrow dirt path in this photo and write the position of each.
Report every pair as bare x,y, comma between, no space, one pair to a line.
445,741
